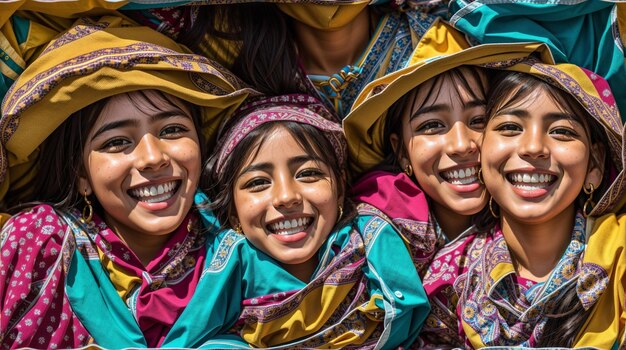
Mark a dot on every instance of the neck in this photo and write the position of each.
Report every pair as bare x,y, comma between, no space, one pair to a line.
537,248
144,246
327,52
452,224
303,271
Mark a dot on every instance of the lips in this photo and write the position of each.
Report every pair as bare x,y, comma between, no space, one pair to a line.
461,176
289,226
155,193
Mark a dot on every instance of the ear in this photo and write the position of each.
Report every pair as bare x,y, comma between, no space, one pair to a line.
596,165
396,145
84,186
233,221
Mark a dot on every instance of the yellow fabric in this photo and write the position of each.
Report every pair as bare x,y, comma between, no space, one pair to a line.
621,22
61,8
121,280
73,84
324,17
310,316
606,248
442,48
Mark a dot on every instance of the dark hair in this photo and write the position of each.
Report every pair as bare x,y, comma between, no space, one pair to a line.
60,159
220,184
393,122
267,57
566,318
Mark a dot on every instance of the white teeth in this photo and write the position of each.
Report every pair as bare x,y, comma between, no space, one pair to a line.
531,181
153,194
461,176
289,227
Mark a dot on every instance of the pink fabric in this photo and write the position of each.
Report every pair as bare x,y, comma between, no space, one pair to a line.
168,282
406,205
396,195
37,246
299,108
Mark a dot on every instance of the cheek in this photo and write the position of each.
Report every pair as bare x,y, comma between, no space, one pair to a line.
424,151
495,150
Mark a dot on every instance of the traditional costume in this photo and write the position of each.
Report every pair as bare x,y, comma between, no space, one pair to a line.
358,297
477,299
393,38
65,283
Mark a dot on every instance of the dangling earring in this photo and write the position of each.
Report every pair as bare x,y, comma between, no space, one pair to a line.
408,170
480,176
87,208
238,229
589,204
340,213
493,213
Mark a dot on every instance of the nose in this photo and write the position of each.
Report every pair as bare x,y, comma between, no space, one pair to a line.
461,140
532,144
149,154
286,194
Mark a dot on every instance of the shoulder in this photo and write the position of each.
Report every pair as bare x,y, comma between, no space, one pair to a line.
37,223
394,194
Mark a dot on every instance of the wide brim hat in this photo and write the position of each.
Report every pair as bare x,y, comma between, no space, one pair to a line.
94,60
443,48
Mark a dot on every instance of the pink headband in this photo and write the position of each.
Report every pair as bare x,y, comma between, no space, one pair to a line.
297,108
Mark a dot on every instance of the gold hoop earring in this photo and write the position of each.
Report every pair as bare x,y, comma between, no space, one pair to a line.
493,212
408,170
480,176
87,208
340,213
238,229
589,204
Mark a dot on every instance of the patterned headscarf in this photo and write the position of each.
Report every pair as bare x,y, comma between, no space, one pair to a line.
96,59
297,108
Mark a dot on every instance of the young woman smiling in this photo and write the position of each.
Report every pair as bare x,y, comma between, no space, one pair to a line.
278,181
547,265
105,145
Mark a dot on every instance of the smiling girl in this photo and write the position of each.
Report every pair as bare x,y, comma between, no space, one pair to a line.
278,181
414,136
546,269
104,133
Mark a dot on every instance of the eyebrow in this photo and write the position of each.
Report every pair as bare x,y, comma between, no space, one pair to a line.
522,113
267,167
444,107
135,122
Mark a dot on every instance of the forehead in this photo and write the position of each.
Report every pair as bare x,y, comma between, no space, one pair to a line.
276,145
458,86
139,104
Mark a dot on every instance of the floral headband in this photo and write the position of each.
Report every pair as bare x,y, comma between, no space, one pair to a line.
299,108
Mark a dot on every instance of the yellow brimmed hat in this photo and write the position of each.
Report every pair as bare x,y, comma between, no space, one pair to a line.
94,60
442,48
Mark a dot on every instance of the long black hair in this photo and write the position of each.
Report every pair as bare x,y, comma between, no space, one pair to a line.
266,54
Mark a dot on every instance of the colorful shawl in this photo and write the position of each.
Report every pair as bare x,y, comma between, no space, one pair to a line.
394,38
68,284
93,60
357,298
589,34
406,204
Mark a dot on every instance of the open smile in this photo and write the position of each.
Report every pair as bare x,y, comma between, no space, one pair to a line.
531,184
289,227
463,179
155,193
